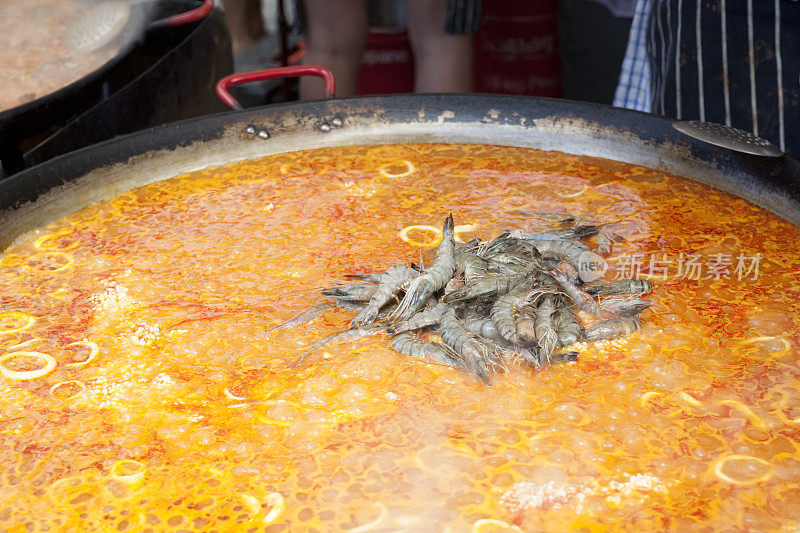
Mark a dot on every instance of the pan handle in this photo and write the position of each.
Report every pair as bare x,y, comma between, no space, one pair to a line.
281,72
185,18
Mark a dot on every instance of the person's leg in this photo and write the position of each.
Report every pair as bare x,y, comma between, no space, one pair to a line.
442,61
336,36
244,21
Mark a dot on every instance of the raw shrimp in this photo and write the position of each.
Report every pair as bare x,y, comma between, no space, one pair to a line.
580,300
569,271
496,246
474,267
453,285
625,306
611,328
525,323
620,287
476,353
354,292
407,344
394,280
574,233
559,218
567,328
489,285
505,308
562,249
431,316
546,334
483,326
509,264
510,259
438,274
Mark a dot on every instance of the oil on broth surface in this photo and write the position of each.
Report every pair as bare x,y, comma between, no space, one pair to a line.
185,415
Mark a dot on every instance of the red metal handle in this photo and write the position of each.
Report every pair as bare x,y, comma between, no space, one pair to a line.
281,72
187,17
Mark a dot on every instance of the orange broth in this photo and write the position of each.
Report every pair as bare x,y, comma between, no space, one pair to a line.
177,409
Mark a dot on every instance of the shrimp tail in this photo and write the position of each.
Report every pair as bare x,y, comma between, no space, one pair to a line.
530,355
356,292
477,365
548,342
349,305
563,357
499,244
367,316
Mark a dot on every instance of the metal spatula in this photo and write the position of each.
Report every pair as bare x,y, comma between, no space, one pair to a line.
728,137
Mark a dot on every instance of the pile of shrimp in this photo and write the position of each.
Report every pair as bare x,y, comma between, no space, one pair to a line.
479,304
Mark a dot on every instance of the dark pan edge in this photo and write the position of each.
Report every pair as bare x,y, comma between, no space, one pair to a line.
49,191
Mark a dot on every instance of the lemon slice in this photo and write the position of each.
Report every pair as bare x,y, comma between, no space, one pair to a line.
128,471
14,321
49,262
24,375
396,169
435,233
93,350
69,383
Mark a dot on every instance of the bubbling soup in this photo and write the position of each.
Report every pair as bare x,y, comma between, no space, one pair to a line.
145,388
36,57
